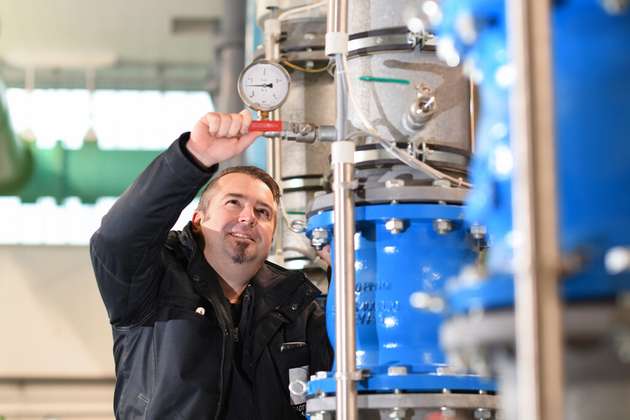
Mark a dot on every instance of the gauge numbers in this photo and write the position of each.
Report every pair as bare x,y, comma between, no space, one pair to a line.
264,86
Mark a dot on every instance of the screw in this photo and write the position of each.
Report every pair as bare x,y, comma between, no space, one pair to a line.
397,413
442,226
397,370
319,238
321,374
483,414
394,226
446,370
447,413
478,231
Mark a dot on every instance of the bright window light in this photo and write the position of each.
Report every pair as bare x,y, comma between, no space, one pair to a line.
128,120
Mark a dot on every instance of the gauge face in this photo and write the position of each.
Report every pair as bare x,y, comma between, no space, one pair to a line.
264,86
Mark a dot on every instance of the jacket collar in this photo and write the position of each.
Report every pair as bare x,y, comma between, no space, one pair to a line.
280,295
276,287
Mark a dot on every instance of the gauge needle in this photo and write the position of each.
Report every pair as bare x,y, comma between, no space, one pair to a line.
268,85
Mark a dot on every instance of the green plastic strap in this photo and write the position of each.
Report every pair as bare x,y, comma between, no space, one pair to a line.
384,80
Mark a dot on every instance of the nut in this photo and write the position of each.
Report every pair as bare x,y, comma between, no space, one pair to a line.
397,370
319,238
442,226
478,231
483,414
394,226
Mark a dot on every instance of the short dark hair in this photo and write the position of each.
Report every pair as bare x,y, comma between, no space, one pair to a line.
252,171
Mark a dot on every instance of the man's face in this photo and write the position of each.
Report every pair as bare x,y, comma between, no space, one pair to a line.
239,221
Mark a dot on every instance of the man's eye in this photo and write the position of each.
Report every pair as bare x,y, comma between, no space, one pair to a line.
265,213
232,202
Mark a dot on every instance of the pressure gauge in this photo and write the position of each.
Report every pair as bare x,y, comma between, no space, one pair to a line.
264,86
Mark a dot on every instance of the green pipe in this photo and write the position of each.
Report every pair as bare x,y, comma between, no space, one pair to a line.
15,158
87,173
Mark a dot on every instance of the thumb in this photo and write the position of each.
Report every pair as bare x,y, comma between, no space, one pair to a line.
245,141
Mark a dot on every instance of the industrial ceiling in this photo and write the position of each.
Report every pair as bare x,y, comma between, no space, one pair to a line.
114,44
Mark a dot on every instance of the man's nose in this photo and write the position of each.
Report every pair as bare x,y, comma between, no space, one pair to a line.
247,215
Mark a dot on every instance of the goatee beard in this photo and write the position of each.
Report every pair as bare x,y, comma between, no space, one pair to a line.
239,256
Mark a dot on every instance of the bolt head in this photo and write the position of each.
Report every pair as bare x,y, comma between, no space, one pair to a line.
442,226
394,226
397,370
483,414
319,238
478,231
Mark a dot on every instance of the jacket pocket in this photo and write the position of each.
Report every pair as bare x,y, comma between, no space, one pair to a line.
294,359
134,407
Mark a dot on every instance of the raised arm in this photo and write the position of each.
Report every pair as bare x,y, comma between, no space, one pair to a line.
125,250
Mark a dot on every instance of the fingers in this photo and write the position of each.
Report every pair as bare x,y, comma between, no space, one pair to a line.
247,120
213,120
222,125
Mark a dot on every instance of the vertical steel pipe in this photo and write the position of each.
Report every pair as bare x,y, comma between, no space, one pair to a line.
274,149
540,369
232,60
343,216
337,20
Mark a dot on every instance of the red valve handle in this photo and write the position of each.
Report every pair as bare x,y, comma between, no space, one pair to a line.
265,125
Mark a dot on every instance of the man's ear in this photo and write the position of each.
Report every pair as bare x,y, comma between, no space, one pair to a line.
197,218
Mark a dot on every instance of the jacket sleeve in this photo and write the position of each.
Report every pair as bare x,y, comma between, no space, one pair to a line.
321,351
126,249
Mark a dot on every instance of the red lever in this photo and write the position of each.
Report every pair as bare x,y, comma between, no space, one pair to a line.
265,125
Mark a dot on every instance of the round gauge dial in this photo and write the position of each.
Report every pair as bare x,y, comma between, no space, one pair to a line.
264,86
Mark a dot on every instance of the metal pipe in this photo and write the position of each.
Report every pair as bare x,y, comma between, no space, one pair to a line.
539,344
274,148
473,116
343,217
345,344
232,60
341,100
337,20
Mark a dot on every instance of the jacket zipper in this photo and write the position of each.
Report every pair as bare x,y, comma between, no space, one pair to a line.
226,330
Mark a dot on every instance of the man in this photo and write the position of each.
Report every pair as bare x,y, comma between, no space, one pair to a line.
203,326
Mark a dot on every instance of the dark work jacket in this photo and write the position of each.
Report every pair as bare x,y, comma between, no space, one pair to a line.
174,341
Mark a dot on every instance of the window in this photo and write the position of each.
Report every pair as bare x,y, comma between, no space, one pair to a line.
121,120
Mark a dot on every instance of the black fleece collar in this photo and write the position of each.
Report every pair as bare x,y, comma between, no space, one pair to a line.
276,287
